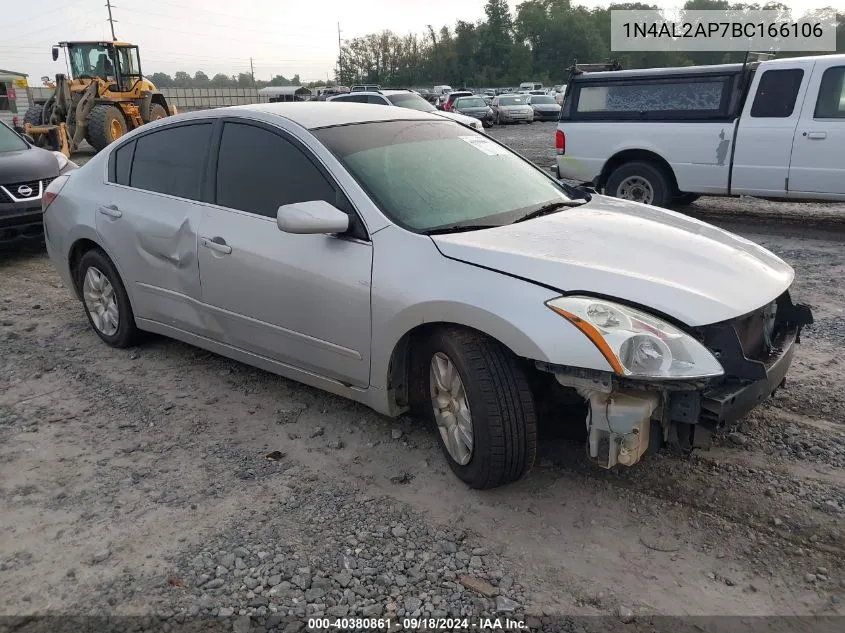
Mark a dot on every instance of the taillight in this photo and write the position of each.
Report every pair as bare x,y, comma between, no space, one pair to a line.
52,191
560,142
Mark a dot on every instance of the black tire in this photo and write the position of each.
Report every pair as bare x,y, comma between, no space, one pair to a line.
102,122
649,172
127,332
34,114
486,124
685,199
157,112
501,404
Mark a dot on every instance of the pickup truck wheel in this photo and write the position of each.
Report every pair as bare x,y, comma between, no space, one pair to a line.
639,182
482,406
685,199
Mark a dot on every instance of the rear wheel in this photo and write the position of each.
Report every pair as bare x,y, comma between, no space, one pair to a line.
105,300
157,112
482,406
639,182
105,124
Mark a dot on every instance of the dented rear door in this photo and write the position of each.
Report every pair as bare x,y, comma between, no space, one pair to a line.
150,218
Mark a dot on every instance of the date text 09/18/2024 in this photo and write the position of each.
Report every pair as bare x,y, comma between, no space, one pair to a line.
415,624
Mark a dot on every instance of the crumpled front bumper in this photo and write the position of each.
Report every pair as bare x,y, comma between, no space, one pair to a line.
625,414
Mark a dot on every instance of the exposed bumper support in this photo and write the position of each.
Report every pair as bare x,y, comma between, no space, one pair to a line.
623,413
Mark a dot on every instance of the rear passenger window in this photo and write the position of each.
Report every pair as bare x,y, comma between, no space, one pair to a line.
831,101
122,162
375,99
172,160
260,181
776,94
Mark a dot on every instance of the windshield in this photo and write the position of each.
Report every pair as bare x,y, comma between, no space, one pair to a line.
543,100
512,101
93,60
9,140
470,102
425,175
412,101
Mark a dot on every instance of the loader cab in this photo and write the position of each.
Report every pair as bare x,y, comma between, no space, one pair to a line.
115,63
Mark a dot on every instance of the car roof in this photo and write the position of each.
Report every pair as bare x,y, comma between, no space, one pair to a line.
317,114
380,93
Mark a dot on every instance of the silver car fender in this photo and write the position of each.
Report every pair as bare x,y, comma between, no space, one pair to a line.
415,285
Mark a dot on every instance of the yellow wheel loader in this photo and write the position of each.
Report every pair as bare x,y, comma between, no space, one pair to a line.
105,96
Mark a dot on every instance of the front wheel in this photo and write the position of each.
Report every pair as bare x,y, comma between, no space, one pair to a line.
105,124
482,406
639,182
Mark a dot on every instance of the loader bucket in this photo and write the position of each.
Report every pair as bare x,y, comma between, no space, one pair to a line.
52,137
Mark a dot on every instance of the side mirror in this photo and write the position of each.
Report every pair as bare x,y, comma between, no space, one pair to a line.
55,53
311,218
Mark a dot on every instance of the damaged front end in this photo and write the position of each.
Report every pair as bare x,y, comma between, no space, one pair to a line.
627,417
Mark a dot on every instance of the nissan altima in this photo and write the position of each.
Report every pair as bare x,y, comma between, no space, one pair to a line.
412,264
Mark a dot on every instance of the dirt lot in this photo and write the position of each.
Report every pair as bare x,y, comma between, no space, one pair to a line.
168,481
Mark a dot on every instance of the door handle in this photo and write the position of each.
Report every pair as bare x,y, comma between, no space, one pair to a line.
816,135
217,244
111,210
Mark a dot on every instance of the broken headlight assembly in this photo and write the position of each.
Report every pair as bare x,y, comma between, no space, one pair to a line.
637,344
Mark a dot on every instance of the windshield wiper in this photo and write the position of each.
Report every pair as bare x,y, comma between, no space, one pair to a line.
579,193
459,228
551,208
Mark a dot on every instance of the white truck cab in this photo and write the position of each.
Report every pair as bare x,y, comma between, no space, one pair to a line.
772,129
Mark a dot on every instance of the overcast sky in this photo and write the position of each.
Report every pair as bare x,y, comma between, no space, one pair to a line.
282,36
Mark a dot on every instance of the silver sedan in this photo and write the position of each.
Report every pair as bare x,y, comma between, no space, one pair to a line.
410,263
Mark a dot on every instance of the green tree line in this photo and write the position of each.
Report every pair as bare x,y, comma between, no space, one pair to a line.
199,79
538,42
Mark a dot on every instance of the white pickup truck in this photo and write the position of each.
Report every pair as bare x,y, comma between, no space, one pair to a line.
665,136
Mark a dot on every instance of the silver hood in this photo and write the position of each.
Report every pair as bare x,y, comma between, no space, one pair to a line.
687,269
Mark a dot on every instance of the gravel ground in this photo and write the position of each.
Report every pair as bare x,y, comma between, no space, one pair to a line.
174,484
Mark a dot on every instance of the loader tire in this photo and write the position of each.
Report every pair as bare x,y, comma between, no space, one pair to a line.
157,112
34,114
105,124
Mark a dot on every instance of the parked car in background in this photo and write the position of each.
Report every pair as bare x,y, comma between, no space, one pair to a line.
25,172
449,98
530,85
560,95
538,92
439,90
545,107
664,136
366,88
406,99
400,260
474,107
512,108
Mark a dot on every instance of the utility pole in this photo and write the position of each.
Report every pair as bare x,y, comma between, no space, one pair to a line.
111,21
339,57
252,72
